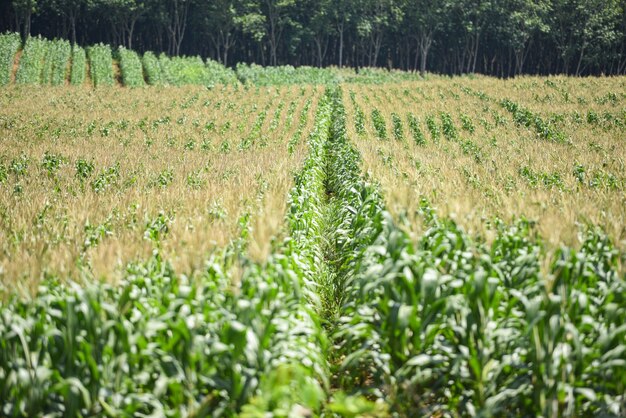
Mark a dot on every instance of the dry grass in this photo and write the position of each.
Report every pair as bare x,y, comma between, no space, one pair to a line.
480,176
179,163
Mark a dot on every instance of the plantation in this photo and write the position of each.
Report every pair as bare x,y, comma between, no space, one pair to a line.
184,239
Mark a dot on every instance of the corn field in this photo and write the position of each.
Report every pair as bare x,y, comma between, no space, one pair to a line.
297,242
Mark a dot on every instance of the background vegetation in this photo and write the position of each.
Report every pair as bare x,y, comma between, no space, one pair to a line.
496,37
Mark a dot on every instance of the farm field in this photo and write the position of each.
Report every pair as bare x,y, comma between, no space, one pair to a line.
87,177
485,151
379,246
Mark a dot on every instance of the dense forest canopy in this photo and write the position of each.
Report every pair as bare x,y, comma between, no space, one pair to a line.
496,37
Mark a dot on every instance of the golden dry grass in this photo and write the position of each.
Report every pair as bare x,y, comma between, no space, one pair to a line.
502,170
179,162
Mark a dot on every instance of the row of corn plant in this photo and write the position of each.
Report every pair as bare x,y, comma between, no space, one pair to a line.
447,326
398,130
282,75
220,74
287,74
56,63
380,126
30,70
525,117
100,65
152,69
359,115
300,384
9,45
79,66
182,70
131,68
302,121
416,131
255,132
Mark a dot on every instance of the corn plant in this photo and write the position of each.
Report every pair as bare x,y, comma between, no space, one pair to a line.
524,117
79,66
57,60
130,65
9,45
100,65
152,69
160,343
280,75
416,131
349,315
219,74
447,126
447,326
398,130
467,123
30,70
379,124
433,128
179,71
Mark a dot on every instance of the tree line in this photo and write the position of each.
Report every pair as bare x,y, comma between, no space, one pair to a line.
497,37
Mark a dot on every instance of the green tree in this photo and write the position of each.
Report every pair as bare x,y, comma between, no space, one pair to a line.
599,31
24,10
583,29
178,12
123,15
374,18
72,10
342,15
424,19
521,21
221,21
320,25
277,18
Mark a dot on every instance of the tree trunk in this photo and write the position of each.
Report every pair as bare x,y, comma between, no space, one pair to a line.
580,58
318,44
216,40
273,46
27,25
425,42
177,26
475,53
377,44
621,68
341,30
73,27
228,43
131,29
